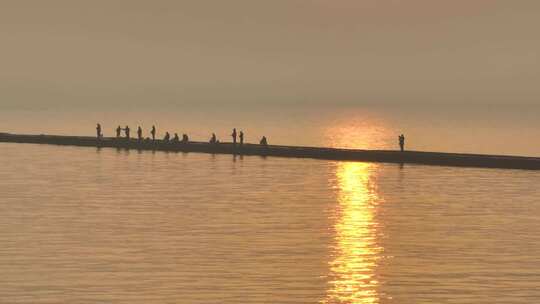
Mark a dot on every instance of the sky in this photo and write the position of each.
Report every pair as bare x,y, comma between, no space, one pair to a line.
103,53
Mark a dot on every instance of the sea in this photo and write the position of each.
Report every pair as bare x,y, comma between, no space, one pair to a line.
88,225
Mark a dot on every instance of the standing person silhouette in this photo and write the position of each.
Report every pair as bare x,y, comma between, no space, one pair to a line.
127,130
153,132
139,133
234,136
213,139
241,136
402,142
118,131
98,131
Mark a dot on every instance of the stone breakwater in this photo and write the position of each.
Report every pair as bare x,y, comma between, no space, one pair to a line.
384,156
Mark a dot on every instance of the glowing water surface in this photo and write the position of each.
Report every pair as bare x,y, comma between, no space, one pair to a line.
356,252
84,225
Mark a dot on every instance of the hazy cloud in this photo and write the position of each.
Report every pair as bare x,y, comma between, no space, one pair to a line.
118,52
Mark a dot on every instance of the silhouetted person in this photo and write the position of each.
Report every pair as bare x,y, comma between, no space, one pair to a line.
185,139
234,136
153,133
263,141
98,131
118,131
213,139
167,137
127,130
402,142
139,133
176,138
241,136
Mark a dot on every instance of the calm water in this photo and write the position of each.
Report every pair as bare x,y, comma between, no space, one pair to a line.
81,225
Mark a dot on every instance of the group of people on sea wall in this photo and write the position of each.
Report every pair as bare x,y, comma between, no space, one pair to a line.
237,138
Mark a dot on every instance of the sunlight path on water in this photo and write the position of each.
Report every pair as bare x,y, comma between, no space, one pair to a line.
355,252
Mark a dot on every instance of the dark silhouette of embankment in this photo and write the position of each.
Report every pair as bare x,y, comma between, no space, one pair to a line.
386,156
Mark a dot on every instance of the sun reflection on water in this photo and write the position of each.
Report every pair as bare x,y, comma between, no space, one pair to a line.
355,253
359,132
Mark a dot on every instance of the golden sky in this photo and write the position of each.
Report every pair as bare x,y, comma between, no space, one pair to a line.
323,51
